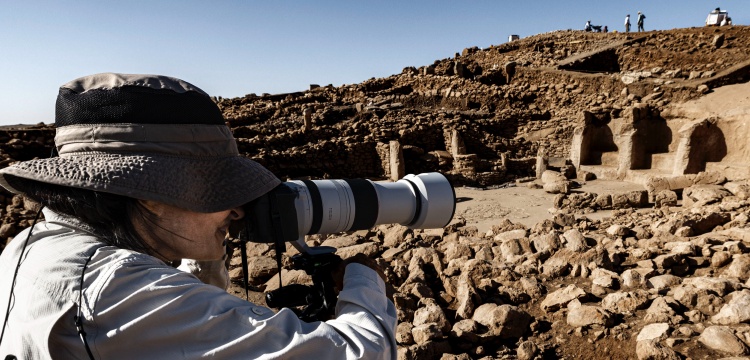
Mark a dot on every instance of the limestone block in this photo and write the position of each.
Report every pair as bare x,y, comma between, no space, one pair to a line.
504,321
723,339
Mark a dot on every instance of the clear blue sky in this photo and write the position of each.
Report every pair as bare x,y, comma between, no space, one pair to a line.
233,48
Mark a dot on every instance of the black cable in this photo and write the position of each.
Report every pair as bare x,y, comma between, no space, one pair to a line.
78,318
244,238
15,274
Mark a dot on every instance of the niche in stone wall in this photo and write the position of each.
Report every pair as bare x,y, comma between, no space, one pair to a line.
593,141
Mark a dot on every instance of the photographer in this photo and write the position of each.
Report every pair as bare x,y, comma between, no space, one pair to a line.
147,174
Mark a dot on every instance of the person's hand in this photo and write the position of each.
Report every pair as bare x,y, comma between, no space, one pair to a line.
338,274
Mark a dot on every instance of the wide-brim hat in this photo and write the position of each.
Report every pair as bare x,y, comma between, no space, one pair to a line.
148,137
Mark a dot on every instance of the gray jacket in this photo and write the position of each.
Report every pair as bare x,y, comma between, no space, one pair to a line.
137,307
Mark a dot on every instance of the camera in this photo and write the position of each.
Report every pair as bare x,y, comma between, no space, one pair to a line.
305,207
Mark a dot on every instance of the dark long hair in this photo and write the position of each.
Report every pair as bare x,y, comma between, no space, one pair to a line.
111,216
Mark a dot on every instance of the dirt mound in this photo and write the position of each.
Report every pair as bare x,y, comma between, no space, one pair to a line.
503,103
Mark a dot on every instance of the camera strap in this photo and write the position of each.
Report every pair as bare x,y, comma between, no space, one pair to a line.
243,254
78,318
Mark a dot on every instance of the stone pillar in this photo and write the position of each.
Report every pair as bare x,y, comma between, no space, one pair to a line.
307,114
457,144
396,160
580,147
460,70
510,71
627,150
541,162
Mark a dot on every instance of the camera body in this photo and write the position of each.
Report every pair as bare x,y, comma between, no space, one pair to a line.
304,207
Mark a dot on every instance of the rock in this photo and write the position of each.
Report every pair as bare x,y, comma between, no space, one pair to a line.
7,230
637,198
569,171
740,189
426,332
739,267
589,315
431,313
605,278
511,235
551,177
260,269
603,201
735,311
465,298
504,321
454,250
574,241
700,195
527,350
652,350
465,330
557,265
662,309
585,175
665,198
560,298
548,242
370,249
403,333
658,331
510,248
709,178
718,41
564,220
632,278
722,339
618,230
663,282
463,356
395,235
720,258
717,285
288,277
560,187
625,302
428,350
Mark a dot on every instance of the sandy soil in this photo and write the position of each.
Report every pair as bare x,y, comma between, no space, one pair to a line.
484,208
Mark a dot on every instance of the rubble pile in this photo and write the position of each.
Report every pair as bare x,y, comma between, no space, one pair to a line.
667,282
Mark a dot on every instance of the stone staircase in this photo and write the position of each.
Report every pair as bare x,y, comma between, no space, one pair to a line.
662,165
607,167
663,162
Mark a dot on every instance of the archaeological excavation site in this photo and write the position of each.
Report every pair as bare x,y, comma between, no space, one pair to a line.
661,272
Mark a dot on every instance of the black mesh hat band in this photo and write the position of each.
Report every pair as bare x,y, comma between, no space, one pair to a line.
126,98
179,140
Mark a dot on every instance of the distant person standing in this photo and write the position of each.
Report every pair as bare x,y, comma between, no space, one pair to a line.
640,21
627,23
